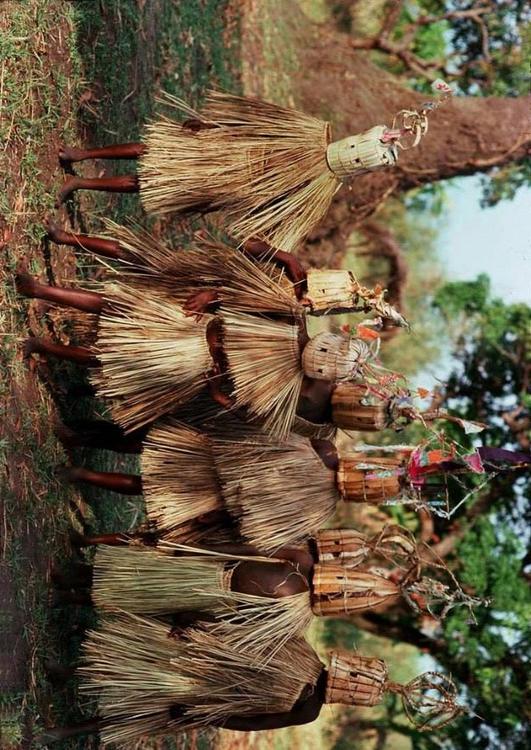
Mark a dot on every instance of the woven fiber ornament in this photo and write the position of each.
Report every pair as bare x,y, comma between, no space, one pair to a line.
360,153
338,590
376,484
355,680
354,409
331,356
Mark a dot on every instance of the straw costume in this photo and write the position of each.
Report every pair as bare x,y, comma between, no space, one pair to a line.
339,573
278,494
149,684
155,353
272,171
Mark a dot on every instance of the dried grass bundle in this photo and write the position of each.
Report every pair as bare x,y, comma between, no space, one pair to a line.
265,365
138,672
153,357
179,477
280,493
263,165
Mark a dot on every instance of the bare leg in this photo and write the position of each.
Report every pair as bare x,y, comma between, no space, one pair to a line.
118,151
89,302
76,598
101,435
63,733
97,245
78,354
112,540
77,576
125,184
125,484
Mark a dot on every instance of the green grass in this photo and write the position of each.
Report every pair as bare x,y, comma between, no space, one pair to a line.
70,73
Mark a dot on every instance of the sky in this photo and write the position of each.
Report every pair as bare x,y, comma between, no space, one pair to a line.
496,240
474,240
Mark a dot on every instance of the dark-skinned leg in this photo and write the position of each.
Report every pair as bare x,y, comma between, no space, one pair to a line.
89,302
125,484
69,154
102,435
80,355
91,726
112,540
120,184
106,248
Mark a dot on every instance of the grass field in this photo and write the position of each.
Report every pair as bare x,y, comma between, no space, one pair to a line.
88,72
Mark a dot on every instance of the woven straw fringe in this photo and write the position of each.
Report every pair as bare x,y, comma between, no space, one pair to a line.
138,672
141,580
178,476
153,357
264,361
280,493
242,284
338,590
263,165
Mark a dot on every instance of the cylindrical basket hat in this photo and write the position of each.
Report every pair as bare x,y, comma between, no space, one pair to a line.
355,680
338,590
330,289
353,408
365,480
361,153
342,545
332,356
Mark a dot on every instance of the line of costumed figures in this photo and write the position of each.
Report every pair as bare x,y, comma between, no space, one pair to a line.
205,362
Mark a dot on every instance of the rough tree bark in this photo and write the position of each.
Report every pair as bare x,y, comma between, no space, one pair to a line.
468,135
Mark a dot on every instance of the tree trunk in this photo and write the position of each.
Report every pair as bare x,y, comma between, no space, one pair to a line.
467,135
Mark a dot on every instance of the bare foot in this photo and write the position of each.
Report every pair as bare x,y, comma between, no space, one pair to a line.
32,346
54,231
68,154
26,284
69,186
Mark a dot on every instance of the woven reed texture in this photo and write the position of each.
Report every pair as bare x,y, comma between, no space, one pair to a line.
304,427
280,493
179,478
264,362
153,357
354,409
329,289
360,153
338,590
138,673
355,680
263,165
331,356
375,485
344,545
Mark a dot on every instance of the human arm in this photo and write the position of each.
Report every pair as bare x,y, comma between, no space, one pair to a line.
293,268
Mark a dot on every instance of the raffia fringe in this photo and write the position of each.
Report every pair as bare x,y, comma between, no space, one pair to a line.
263,165
281,493
264,361
153,357
179,477
138,672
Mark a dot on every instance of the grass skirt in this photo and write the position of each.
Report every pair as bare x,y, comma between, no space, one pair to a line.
143,580
138,673
280,493
263,165
243,284
153,357
265,365
179,477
